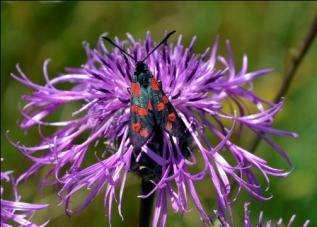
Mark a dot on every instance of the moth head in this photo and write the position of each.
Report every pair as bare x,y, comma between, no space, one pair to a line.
140,67
142,74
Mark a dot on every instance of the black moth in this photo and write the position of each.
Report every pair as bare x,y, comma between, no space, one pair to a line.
152,114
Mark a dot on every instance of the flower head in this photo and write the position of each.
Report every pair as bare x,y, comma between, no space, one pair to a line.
16,211
211,97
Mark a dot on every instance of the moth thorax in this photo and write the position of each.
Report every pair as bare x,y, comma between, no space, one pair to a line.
144,79
142,73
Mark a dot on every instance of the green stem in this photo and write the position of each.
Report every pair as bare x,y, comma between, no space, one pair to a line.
290,71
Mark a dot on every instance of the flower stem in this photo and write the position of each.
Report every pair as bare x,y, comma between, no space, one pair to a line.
146,204
290,71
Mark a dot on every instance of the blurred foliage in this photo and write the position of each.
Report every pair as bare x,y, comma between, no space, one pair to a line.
268,32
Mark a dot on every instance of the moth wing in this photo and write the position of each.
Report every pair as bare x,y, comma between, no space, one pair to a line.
140,129
167,119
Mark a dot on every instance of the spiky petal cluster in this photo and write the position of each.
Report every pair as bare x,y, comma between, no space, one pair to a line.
268,223
210,95
17,212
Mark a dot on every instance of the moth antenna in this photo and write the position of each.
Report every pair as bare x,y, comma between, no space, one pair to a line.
158,45
122,50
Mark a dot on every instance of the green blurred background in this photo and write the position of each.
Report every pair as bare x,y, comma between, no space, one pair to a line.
267,32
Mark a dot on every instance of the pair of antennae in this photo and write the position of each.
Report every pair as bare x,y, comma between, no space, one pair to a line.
129,55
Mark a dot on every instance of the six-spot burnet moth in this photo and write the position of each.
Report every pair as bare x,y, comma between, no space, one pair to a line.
152,114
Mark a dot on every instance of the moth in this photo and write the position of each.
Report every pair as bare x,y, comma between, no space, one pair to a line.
151,112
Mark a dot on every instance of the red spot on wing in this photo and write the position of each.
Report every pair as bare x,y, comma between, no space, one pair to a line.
136,127
171,117
134,108
165,99
139,110
154,84
160,106
142,111
135,89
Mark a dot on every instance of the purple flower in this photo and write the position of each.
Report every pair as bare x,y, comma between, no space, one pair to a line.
268,223
16,211
209,93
